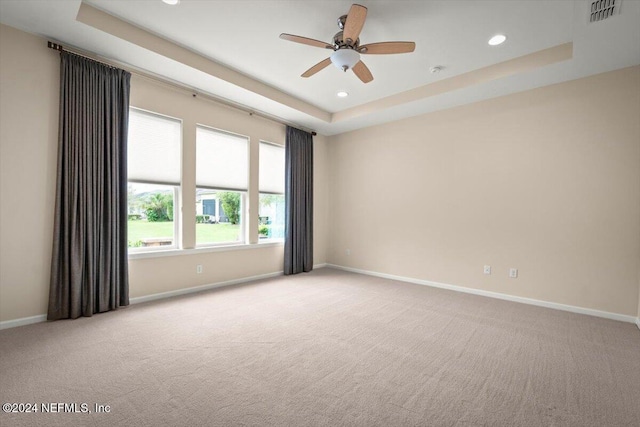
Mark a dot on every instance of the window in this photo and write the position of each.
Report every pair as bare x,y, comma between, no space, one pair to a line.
222,169
271,210
153,168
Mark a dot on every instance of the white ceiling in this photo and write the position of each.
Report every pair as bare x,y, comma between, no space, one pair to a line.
243,36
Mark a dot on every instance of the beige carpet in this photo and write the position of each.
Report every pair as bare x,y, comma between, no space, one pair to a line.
327,348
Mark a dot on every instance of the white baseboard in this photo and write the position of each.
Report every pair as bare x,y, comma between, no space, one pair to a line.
137,300
638,322
498,295
14,323
185,291
146,298
169,294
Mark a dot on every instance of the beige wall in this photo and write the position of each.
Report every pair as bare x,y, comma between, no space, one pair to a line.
29,84
546,181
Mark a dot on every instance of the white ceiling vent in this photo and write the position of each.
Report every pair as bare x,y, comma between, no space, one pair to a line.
603,9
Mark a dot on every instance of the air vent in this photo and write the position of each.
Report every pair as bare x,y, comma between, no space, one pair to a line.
603,9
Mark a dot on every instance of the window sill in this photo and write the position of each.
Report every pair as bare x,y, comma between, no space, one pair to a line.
272,241
202,250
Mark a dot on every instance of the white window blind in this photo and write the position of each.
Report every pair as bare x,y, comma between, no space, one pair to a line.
271,168
222,160
153,150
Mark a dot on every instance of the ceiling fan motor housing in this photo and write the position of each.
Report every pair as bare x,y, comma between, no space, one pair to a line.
339,42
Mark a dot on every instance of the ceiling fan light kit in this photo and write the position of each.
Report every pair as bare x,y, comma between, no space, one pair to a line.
346,46
345,59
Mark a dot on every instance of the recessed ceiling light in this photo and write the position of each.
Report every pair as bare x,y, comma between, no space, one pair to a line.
171,2
342,94
497,39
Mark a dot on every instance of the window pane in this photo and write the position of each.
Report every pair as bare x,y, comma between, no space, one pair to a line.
222,160
218,216
153,154
271,224
151,216
271,168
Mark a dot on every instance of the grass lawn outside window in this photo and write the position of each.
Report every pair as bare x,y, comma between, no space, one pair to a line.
206,233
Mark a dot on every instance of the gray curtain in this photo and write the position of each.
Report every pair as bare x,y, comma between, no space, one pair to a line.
89,261
298,243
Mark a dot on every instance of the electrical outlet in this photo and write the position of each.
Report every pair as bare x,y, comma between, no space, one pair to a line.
487,269
348,252
199,269
513,273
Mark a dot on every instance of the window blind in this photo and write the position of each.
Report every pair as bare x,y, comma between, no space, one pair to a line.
222,160
153,150
271,168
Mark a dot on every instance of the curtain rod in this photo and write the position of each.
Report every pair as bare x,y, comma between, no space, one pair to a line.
178,85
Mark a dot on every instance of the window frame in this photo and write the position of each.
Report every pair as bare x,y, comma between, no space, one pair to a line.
176,187
260,193
244,194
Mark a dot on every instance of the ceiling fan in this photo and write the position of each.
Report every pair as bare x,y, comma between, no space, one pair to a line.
346,46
